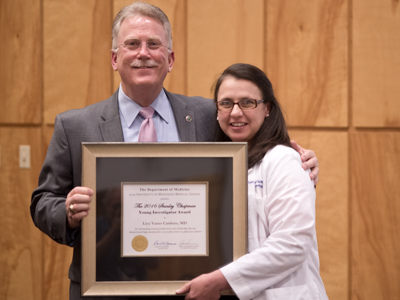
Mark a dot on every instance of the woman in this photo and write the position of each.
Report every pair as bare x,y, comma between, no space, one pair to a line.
283,258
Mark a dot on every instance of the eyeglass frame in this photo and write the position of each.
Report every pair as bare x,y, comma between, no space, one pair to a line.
125,45
237,103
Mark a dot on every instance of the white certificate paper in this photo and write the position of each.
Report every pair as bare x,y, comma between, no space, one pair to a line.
164,219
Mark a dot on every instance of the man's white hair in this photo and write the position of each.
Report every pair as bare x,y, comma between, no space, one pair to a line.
143,9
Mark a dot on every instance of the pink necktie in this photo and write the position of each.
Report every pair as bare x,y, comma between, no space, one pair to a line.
147,132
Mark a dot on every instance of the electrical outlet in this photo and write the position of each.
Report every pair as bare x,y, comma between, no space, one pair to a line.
24,156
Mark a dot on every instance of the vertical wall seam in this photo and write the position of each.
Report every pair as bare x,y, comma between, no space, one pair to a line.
351,130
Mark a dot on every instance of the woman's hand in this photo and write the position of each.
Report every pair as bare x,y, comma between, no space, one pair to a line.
207,286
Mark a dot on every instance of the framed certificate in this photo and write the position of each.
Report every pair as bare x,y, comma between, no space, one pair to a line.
161,214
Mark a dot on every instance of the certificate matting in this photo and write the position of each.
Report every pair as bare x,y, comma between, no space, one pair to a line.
107,165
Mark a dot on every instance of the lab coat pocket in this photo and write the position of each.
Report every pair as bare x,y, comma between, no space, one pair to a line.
299,292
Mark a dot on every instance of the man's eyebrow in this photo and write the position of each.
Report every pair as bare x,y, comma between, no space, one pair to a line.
154,38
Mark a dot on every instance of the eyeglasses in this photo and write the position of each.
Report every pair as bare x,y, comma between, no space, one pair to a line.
244,104
135,45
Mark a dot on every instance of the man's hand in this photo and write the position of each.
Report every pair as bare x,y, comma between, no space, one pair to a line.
77,205
309,160
205,287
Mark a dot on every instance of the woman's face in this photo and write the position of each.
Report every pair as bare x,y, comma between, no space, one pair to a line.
240,125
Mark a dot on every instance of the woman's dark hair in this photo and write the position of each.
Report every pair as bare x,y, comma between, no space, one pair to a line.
273,131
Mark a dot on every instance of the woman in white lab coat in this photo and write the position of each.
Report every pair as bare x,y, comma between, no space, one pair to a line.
282,262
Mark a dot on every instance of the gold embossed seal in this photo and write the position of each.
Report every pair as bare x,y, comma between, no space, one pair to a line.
140,243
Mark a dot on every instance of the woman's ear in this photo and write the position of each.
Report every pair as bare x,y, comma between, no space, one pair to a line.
268,106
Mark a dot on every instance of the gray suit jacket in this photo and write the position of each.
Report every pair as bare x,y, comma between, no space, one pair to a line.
100,122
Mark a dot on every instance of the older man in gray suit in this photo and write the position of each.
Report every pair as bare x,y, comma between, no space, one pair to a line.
142,54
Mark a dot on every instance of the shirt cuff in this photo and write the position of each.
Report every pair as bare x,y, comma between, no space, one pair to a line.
237,282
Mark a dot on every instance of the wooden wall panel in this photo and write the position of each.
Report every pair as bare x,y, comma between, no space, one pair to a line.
221,33
21,259
376,63
77,68
20,62
176,12
375,212
306,60
57,258
331,207
60,51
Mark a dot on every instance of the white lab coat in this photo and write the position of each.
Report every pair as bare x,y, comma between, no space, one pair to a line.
283,258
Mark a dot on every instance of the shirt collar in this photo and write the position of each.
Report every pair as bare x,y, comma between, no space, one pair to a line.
130,109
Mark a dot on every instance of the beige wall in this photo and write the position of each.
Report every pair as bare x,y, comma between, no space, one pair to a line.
335,66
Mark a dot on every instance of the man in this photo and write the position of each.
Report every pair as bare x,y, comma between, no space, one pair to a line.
142,54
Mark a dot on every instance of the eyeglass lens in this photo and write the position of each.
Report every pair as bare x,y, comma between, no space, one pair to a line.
244,104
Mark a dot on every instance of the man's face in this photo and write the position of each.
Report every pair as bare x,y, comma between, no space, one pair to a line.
144,67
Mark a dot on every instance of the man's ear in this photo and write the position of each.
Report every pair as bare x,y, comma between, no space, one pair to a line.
171,60
114,60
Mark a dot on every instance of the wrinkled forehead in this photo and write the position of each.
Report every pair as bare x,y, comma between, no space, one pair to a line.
135,25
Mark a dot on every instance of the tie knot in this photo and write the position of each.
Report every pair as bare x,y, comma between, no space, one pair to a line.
147,112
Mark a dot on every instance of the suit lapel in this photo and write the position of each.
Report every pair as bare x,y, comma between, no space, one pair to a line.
110,127
184,118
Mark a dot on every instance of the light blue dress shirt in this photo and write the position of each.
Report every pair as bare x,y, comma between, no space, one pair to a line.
164,119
